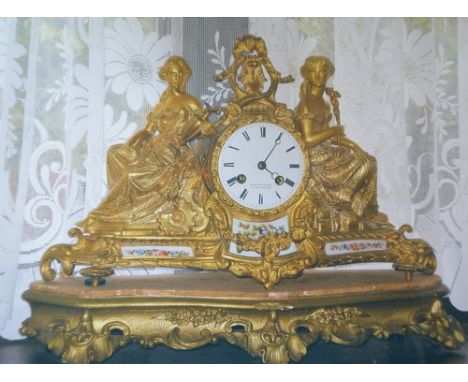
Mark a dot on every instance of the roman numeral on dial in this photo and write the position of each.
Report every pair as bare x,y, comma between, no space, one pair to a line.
289,182
232,181
268,171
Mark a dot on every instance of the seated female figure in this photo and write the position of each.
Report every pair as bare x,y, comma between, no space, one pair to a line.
155,182
343,176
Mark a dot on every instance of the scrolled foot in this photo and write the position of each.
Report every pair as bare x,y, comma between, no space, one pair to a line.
438,325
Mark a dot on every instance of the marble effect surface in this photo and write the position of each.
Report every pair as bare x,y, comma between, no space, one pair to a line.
312,284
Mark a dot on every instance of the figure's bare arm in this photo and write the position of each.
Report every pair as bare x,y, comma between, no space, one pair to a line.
199,125
315,138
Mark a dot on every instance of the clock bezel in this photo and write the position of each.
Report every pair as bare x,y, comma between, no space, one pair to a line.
243,212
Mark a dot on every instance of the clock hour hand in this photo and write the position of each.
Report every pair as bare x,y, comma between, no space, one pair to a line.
276,177
271,172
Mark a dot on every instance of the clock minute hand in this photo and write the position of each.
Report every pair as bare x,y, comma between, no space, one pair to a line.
277,142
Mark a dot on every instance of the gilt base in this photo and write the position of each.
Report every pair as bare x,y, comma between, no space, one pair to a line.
84,324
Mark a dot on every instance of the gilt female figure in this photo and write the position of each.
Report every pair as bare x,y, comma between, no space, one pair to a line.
343,176
155,181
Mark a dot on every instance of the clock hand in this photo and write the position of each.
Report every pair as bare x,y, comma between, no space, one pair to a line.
276,177
277,142
272,173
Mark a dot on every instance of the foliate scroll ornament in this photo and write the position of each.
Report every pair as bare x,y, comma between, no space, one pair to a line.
186,328
412,254
339,325
270,274
176,339
246,76
268,246
221,224
27,330
88,250
80,343
273,331
268,270
221,219
439,326
279,340
303,233
270,342
194,317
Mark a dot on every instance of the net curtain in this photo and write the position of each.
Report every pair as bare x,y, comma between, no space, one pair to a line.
71,87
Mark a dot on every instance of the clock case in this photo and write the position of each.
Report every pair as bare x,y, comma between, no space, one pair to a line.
310,227
241,211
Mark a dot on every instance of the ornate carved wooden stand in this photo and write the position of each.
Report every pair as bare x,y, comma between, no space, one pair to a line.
83,324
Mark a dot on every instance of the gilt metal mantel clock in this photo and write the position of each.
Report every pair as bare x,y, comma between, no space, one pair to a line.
277,192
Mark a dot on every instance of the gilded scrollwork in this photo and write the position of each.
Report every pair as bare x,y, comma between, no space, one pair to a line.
339,325
80,343
165,192
194,317
273,331
175,339
412,254
269,341
88,250
246,76
439,326
268,247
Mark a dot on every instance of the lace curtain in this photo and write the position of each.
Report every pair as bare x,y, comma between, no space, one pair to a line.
70,88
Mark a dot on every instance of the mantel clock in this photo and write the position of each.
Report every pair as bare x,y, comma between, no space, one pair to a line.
277,192
271,192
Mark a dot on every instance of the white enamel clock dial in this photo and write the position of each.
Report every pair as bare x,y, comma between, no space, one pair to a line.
261,165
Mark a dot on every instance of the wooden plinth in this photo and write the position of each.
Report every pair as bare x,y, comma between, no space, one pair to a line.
185,311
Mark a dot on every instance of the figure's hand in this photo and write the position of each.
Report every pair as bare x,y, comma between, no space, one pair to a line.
207,129
152,122
338,134
339,130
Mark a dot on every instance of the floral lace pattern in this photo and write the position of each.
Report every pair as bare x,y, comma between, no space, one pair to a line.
78,85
